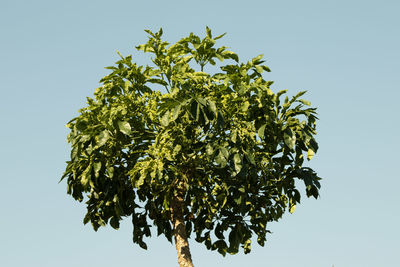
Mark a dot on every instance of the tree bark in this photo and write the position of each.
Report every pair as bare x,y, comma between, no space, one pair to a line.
181,241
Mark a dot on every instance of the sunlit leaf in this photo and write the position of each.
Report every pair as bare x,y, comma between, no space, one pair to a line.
124,127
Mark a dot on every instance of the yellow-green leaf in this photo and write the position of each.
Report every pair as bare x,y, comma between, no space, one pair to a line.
310,154
124,127
292,208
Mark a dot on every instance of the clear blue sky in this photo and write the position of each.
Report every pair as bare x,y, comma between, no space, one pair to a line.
345,53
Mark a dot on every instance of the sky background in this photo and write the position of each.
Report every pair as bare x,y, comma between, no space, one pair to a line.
344,53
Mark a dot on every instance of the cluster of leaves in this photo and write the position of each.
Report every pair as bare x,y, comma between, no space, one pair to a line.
234,145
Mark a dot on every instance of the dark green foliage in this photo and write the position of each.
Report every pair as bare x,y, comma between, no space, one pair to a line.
227,137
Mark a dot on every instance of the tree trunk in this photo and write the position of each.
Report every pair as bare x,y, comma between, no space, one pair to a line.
181,241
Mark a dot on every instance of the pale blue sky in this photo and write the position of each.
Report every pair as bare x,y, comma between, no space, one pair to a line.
345,53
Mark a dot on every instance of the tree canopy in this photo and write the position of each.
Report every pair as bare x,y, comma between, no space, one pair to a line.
222,145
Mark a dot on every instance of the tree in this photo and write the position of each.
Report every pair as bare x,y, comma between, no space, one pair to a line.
216,155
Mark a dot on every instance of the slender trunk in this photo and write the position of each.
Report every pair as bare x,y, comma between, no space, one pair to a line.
181,241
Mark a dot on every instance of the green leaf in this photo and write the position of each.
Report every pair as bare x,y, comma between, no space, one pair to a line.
220,120
220,36
212,107
234,241
222,199
281,92
230,54
194,109
221,246
86,219
209,149
238,200
292,208
234,136
177,149
126,86
158,81
86,175
313,145
175,112
102,138
165,119
124,127
250,157
310,154
259,69
143,245
300,94
97,167
245,106
139,182
238,162
110,171
224,152
222,157
266,68
208,32
202,101
261,131
257,59
305,102
290,138
114,222
247,246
